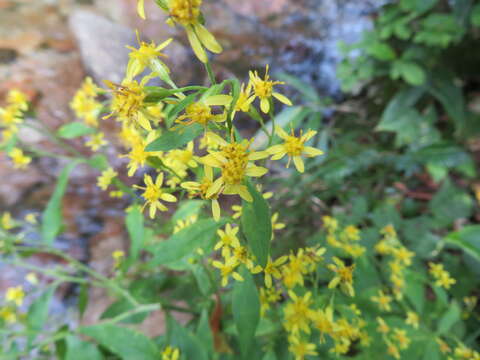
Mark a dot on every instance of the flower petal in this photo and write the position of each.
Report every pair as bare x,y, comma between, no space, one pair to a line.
311,151
196,45
215,210
297,160
207,39
168,197
141,8
282,98
214,188
219,100
265,105
256,171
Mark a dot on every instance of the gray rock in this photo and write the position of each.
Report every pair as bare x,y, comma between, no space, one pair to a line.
102,45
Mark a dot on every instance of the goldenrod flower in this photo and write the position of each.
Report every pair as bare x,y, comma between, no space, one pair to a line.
17,99
144,56
8,315
263,89
298,314
294,147
242,256
118,256
323,321
127,102
201,189
105,179
20,160
15,295
6,221
227,269
344,276
236,163
96,141
382,326
171,353
412,319
200,112
393,350
401,337
382,300
442,276
182,224
272,269
444,348
267,297
245,99
404,255
300,348
153,193
187,13
228,239
137,155
84,104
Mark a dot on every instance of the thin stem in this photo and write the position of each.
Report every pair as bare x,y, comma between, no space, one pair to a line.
211,76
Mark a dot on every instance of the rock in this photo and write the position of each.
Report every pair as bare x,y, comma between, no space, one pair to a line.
102,45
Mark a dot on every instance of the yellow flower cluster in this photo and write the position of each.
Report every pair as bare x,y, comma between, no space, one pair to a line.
12,115
400,258
395,339
171,353
442,277
345,239
13,300
85,103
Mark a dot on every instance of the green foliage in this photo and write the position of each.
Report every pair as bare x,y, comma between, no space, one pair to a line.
74,130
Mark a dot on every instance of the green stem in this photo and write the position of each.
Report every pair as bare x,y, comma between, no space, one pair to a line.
211,76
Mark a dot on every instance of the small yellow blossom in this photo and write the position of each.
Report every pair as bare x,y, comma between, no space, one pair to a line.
393,350
271,270
268,296
344,276
96,141
412,319
8,315
300,348
244,100
228,239
20,160
263,89
294,147
6,221
15,295
200,112
116,194
118,256
31,218
182,224
227,269
402,339
382,300
144,56
382,326
171,353
236,163
105,179
441,276
297,313
153,193
444,348
32,278
323,321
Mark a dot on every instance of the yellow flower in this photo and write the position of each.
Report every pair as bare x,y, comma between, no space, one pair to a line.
171,353
96,141
382,326
32,278
200,112
187,13
300,348
15,295
227,269
153,193
344,276
201,189
272,269
393,350
402,338
237,211
118,256
444,348
116,194
323,321
105,179
263,89
84,104
352,233
228,239
6,221
20,160
8,315
245,99
383,301
442,276
182,224
404,255
412,319
275,224
298,314
127,102
294,147
138,156
267,297
17,99
31,218
236,163
144,56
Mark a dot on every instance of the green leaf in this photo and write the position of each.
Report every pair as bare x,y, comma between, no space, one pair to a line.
187,209
397,105
415,291
381,51
257,225
173,113
305,89
475,15
450,204
468,239
174,139
204,332
449,319
74,130
136,231
38,311
419,6
52,215
410,72
246,310
185,242
83,299
432,351
126,343
190,346
122,306
99,162
81,350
